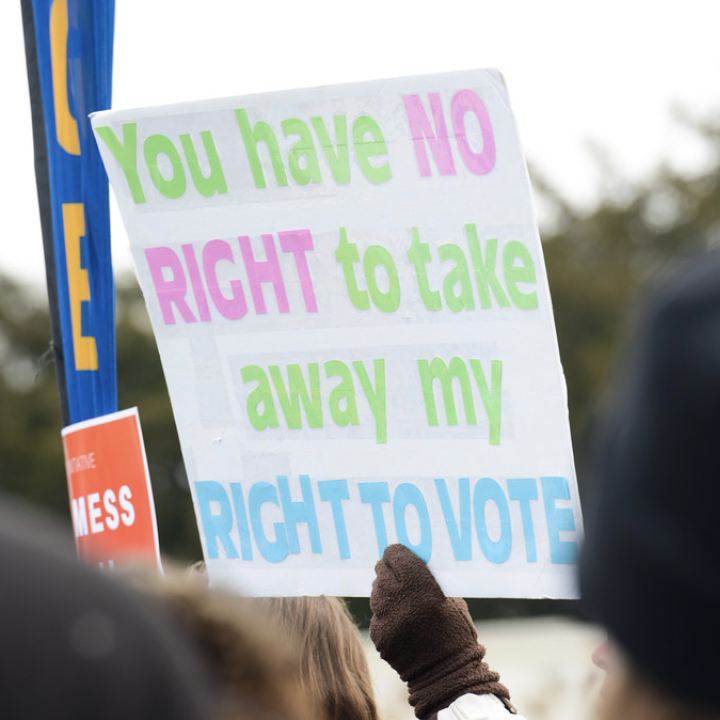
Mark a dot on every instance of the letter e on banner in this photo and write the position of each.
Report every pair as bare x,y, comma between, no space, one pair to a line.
111,501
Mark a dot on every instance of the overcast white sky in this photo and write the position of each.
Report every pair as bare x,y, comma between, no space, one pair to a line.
608,72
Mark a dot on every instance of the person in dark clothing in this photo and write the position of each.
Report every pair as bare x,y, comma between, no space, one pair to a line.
649,565
76,644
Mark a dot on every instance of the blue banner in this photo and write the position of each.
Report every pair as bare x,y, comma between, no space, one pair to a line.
69,47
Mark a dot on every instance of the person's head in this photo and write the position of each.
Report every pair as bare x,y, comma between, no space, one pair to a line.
255,672
629,694
604,658
333,666
649,564
622,694
78,644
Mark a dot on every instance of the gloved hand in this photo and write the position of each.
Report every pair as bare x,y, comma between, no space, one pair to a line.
429,639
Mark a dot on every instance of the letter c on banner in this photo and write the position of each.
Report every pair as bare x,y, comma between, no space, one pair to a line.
66,127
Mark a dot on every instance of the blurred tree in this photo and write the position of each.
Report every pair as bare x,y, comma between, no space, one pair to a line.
601,263
31,457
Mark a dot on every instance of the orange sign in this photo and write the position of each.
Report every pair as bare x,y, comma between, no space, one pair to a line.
111,499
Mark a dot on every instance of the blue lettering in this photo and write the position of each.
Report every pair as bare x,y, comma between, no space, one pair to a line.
242,521
562,552
215,526
523,490
461,539
334,492
376,493
299,511
276,550
486,490
408,494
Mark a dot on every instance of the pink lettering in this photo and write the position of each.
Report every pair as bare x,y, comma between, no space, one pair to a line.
298,242
196,280
464,102
422,131
232,308
169,292
264,271
198,266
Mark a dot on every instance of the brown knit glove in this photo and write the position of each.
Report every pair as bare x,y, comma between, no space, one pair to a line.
429,639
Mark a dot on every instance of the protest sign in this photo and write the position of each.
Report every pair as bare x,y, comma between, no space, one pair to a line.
349,296
111,500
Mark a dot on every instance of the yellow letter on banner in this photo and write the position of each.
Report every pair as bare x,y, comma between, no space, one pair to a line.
66,126
78,285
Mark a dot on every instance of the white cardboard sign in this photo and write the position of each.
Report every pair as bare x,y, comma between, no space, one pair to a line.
348,292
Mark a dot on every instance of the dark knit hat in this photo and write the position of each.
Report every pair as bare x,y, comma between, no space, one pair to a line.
650,565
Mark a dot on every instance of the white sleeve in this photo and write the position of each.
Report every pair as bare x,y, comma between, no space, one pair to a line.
477,707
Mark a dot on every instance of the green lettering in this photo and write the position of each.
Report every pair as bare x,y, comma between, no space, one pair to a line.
342,393
375,396
491,396
309,171
524,272
347,255
419,256
261,132
261,395
175,186
126,155
485,269
459,275
373,148
436,369
214,182
386,301
338,156
297,393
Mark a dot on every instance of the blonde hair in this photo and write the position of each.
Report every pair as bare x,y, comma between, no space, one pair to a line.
333,668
